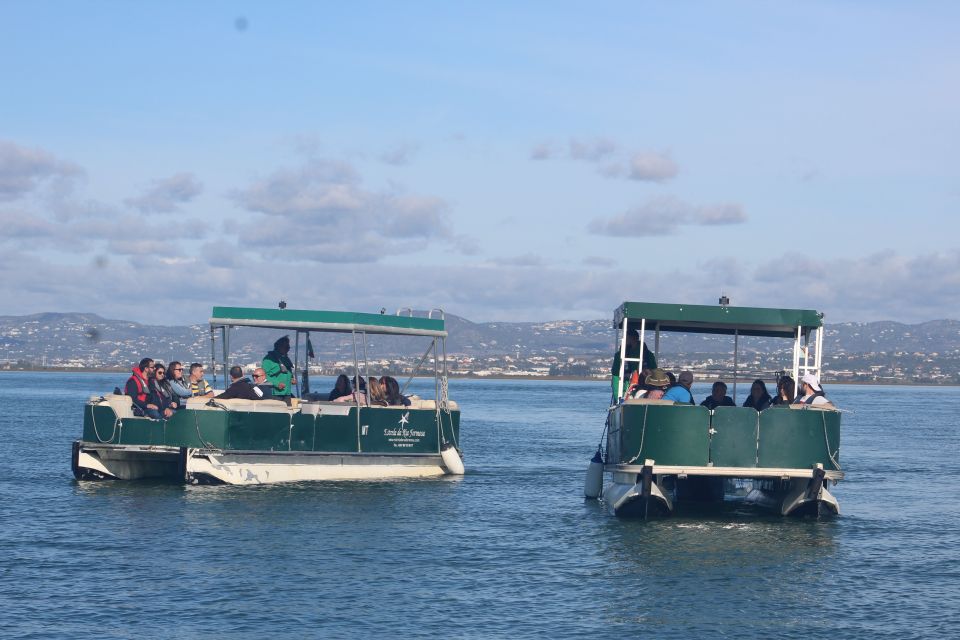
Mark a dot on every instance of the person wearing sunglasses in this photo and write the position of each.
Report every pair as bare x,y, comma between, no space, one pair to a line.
176,383
138,388
240,387
160,393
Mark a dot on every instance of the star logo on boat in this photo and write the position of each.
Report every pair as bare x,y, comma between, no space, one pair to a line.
405,419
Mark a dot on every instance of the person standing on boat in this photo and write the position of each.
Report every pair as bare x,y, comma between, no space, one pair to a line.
279,369
680,392
811,391
632,351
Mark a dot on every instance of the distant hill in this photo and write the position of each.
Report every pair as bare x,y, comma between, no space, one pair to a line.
91,340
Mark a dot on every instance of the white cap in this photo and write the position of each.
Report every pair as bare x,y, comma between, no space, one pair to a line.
810,379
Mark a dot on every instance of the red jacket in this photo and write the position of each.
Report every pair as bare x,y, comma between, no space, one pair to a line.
136,388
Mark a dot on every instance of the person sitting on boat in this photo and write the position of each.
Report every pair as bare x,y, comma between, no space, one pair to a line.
632,351
812,392
160,392
786,391
138,388
176,383
341,388
240,387
199,388
654,385
375,393
279,369
718,397
758,399
391,388
680,392
356,396
260,380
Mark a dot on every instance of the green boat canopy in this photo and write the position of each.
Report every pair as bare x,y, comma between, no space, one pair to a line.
331,321
694,318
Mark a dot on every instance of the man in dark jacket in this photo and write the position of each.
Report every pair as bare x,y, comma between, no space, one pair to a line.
718,397
240,387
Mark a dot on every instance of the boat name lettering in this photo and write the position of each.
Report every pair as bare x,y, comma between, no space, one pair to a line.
404,433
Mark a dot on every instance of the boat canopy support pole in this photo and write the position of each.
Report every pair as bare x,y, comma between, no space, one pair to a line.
419,364
226,356
819,361
796,357
213,353
623,354
296,362
736,363
366,364
305,377
356,385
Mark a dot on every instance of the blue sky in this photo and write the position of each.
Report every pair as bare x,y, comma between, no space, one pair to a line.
504,162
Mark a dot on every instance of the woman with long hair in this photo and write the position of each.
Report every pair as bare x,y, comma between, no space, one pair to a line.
786,391
375,392
160,392
340,389
175,379
758,399
391,389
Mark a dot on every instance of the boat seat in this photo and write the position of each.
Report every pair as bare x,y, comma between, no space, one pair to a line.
814,407
237,404
122,405
648,401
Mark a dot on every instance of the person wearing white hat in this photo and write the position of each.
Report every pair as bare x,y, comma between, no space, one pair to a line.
812,392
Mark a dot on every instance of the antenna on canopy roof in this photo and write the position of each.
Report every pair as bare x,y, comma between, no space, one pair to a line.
724,300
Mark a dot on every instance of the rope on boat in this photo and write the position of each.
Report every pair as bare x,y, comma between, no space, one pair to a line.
196,423
826,440
93,419
643,433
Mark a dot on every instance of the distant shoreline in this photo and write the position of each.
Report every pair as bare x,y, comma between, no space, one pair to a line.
863,383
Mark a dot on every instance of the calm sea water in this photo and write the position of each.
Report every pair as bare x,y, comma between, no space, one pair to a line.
509,550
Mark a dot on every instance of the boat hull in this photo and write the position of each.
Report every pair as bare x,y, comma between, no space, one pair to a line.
259,443
660,455
804,493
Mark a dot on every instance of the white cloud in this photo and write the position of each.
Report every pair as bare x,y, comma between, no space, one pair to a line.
643,166
662,216
322,212
884,285
22,170
165,196
652,167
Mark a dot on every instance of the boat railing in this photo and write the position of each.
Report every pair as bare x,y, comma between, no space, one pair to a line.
731,437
